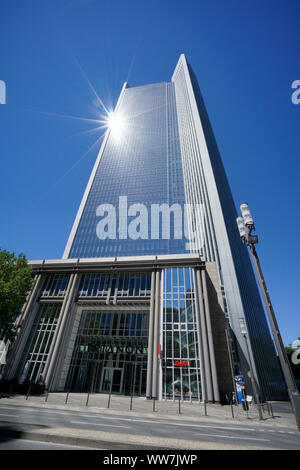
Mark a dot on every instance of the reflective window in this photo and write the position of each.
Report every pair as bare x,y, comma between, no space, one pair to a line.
180,362
144,164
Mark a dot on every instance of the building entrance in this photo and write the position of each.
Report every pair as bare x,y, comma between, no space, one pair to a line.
110,353
112,380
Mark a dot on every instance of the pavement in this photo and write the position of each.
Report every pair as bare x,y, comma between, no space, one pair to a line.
117,408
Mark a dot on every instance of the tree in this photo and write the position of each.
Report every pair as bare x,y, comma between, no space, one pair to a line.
288,349
15,283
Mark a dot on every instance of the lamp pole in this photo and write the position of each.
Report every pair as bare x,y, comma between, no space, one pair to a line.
246,225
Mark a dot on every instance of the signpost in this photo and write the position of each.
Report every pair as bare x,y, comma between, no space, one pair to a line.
240,387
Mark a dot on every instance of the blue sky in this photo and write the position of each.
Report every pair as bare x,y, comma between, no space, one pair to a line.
245,55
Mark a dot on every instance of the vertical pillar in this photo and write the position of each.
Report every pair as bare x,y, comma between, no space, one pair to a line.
55,345
156,336
200,344
21,317
150,338
206,356
65,336
28,317
210,340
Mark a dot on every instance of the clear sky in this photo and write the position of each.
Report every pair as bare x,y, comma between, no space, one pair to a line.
245,55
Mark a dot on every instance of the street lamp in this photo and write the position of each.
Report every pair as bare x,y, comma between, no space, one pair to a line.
245,226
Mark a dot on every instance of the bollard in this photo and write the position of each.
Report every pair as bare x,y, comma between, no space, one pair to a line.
87,400
179,405
28,392
205,410
271,409
47,393
153,405
132,385
67,398
232,413
108,403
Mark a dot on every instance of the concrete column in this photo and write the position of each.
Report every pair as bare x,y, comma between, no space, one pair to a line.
200,345
15,355
109,288
150,338
50,354
65,337
210,339
21,317
116,290
206,357
156,336
55,345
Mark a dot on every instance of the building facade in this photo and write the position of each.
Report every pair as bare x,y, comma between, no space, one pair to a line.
154,281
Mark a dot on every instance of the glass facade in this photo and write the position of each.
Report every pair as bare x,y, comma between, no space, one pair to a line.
110,352
142,162
122,285
180,361
55,285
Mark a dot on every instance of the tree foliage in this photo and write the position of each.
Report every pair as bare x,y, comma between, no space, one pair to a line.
15,283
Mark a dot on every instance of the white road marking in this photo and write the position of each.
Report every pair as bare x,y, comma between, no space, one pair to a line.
233,437
6,408
100,424
39,410
154,421
182,424
176,424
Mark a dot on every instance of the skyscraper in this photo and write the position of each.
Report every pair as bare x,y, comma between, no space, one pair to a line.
154,281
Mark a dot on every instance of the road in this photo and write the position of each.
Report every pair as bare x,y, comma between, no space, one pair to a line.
176,428
24,444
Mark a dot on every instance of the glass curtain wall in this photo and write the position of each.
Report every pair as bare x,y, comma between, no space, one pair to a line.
110,352
180,358
143,163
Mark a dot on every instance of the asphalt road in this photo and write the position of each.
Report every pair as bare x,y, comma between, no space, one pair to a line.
24,444
179,428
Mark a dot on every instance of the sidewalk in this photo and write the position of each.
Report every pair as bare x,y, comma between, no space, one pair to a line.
98,403
141,408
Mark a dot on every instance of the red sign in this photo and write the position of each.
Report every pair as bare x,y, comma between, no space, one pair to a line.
181,363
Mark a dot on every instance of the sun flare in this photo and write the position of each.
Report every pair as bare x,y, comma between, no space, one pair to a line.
115,123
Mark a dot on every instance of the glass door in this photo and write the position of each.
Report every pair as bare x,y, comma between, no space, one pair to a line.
112,380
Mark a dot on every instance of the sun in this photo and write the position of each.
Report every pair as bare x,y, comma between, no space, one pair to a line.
115,123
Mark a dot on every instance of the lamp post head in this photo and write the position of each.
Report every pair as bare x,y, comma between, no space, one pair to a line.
241,227
246,214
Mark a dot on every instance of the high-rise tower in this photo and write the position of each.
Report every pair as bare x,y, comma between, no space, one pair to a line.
154,280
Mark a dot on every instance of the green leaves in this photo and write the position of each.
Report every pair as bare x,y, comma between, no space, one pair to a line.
15,283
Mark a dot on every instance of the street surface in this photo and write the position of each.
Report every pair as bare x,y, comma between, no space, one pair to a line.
24,444
158,427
